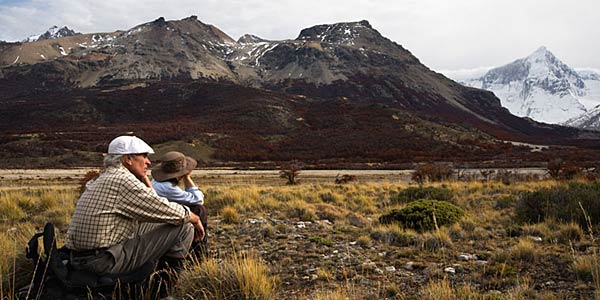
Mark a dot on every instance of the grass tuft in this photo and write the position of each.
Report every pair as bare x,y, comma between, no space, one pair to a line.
230,215
238,277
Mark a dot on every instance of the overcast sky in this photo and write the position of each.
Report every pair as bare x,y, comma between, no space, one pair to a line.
443,34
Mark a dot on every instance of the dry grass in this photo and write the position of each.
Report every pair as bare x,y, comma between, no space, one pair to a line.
585,266
22,211
241,276
230,215
346,291
525,251
351,236
395,235
365,241
325,274
443,290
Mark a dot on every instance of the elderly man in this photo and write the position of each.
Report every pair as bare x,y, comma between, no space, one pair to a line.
120,223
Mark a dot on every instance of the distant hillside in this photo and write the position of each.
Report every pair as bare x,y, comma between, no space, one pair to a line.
337,94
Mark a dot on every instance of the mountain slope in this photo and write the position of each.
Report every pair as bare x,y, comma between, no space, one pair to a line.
337,93
589,120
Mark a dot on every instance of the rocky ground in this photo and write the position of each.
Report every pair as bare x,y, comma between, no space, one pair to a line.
310,257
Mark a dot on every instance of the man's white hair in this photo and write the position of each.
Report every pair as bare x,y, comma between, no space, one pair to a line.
113,160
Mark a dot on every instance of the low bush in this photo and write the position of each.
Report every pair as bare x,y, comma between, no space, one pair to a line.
562,170
562,203
432,173
344,178
424,215
419,193
505,202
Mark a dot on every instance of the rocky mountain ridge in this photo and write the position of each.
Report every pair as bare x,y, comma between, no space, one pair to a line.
252,99
53,32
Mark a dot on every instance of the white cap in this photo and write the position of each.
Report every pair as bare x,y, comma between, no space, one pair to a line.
127,144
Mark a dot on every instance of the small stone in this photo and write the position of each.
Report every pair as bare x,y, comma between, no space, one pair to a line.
536,239
257,221
549,283
450,270
367,266
378,271
464,257
390,269
408,265
467,257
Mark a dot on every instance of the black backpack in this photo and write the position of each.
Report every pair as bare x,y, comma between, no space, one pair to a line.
54,278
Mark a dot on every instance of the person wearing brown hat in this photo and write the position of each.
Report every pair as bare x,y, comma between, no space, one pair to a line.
173,168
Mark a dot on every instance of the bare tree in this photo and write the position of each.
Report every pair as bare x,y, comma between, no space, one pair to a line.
290,171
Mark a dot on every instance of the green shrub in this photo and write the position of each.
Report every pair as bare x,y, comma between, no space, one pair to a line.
419,193
514,230
419,215
321,240
505,202
562,203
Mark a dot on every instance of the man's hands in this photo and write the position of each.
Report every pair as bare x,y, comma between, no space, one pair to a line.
199,232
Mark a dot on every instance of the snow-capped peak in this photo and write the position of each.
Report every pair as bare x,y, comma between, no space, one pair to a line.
539,86
543,65
53,32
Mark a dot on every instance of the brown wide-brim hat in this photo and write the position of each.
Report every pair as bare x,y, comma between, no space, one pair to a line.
172,165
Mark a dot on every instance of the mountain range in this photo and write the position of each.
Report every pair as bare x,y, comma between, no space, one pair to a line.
542,87
337,94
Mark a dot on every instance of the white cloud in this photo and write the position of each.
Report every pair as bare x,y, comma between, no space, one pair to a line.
464,74
443,34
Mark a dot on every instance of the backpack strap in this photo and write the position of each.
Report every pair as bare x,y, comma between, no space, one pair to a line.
55,263
39,265
31,251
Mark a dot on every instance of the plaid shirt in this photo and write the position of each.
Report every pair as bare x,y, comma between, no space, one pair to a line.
112,207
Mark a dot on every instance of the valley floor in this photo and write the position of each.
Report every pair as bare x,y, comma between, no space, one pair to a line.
321,240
